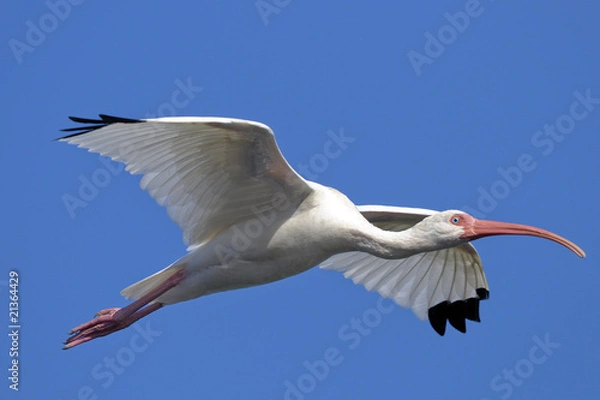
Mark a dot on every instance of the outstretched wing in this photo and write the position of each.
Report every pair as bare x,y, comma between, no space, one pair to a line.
208,172
443,285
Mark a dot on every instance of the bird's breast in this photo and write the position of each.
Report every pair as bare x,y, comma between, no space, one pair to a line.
277,246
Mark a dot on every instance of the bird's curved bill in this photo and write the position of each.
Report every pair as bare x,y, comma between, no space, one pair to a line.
483,228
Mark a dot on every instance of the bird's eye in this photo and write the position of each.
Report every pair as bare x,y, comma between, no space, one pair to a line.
455,220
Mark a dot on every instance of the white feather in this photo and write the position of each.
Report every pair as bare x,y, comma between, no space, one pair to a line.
420,281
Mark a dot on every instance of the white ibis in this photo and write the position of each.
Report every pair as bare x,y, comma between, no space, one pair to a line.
250,219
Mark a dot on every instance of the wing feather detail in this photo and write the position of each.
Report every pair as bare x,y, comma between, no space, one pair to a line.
442,285
208,172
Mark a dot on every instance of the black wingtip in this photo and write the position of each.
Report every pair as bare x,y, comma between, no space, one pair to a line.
93,124
457,312
111,119
80,120
456,315
472,310
438,316
483,293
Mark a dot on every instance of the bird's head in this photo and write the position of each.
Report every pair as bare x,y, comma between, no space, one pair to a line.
457,227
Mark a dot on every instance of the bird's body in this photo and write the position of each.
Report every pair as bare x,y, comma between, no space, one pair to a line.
250,219
272,246
268,246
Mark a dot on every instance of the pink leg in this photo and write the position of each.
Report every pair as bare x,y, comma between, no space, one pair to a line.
112,320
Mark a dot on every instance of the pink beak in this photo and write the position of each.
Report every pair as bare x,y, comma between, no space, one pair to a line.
482,228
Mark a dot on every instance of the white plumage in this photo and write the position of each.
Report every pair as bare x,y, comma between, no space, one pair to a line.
248,219
208,172
420,281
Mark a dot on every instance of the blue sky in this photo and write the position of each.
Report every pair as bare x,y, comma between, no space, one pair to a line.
492,107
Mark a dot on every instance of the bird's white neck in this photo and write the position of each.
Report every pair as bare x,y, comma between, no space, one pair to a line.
394,245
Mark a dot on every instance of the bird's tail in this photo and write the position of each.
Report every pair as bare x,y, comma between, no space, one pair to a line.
144,286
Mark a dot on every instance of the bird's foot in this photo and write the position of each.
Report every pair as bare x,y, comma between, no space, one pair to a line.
108,321
105,322
112,320
106,311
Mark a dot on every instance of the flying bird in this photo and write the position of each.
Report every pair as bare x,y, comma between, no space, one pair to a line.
248,219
